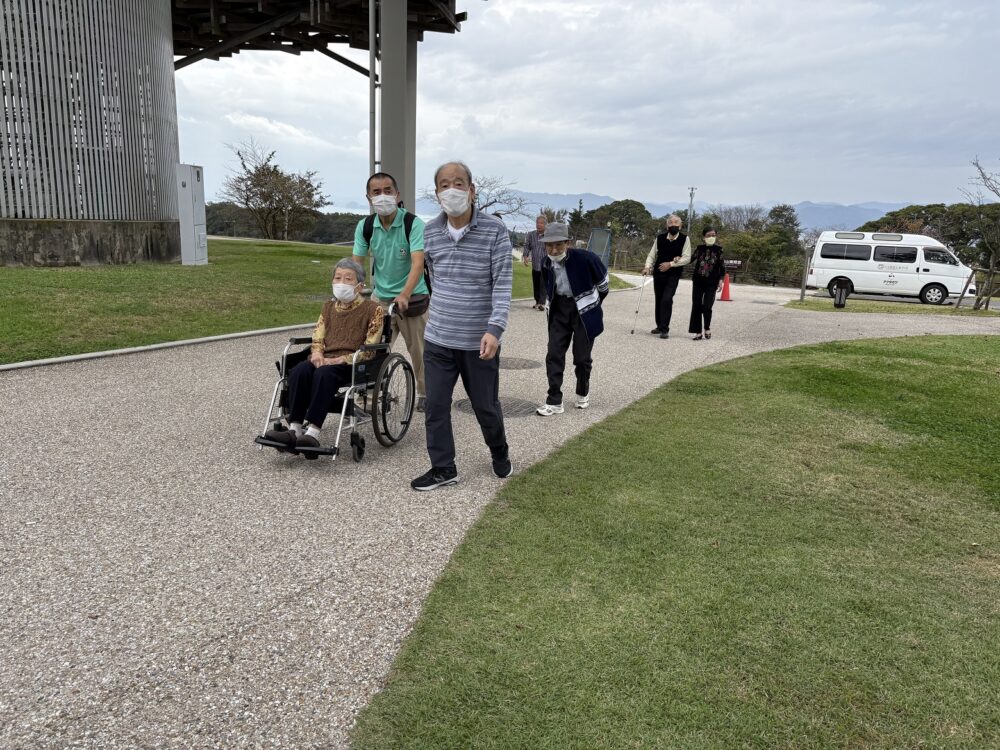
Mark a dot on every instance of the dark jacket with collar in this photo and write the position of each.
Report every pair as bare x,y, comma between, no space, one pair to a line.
588,280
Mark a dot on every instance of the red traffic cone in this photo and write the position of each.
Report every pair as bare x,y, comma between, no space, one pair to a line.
725,290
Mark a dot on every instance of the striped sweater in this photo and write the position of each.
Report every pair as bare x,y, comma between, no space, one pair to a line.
470,280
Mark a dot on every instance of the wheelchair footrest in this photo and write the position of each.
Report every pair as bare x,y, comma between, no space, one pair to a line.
320,451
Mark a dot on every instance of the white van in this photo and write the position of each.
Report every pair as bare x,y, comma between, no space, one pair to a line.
903,265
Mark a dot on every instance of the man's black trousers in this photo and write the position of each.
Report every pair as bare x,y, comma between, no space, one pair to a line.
664,288
565,324
481,380
311,390
538,287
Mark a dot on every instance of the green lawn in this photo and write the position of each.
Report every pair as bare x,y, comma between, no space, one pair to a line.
798,549
825,304
247,285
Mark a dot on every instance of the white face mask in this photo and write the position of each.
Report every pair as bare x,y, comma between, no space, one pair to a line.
343,292
455,202
384,205
559,258
710,240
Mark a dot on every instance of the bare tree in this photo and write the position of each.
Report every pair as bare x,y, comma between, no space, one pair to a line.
748,218
988,243
497,196
280,202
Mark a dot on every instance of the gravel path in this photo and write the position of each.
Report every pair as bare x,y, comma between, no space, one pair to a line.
164,584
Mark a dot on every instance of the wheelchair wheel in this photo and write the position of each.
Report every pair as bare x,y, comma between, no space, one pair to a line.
392,404
357,447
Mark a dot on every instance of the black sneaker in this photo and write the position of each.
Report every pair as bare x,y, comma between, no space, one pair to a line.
664,335
502,467
435,478
656,331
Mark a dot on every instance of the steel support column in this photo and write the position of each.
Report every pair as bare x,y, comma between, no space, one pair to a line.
398,125
410,142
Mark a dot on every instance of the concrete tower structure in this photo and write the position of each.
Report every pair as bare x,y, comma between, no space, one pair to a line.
88,122
88,133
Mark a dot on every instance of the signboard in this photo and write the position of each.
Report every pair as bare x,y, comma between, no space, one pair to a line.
600,244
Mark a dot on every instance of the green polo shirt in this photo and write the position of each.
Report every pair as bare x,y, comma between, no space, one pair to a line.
392,256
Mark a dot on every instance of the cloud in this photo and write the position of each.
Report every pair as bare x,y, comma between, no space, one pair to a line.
272,130
750,100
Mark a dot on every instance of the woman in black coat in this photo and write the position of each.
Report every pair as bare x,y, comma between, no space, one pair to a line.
708,269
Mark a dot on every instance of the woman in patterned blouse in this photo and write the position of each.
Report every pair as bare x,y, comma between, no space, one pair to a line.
706,262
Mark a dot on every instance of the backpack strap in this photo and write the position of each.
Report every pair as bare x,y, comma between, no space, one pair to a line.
408,226
369,228
408,219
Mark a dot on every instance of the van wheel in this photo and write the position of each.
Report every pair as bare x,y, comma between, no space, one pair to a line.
933,294
831,288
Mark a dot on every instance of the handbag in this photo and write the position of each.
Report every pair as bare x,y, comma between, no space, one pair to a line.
418,305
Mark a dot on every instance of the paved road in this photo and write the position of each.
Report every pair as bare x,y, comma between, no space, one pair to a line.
164,584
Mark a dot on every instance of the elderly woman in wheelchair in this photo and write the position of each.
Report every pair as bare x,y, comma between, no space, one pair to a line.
348,358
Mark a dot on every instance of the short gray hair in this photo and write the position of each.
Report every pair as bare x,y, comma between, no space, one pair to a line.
351,265
674,216
542,217
462,164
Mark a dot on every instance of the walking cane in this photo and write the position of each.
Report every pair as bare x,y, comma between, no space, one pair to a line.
636,320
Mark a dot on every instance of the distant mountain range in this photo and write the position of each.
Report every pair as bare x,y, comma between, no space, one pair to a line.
811,215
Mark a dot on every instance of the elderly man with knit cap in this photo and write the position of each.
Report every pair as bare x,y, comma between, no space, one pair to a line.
576,283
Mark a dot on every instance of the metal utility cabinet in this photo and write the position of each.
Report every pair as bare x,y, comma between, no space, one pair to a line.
191,212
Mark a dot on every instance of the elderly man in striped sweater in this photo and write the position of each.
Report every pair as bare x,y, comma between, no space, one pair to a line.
468,254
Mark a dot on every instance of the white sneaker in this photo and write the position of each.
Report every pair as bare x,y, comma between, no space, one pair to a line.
547,410
582,402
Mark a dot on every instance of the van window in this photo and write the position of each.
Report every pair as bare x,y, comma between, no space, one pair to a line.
850,235
837,251
886,254
887,237
932,255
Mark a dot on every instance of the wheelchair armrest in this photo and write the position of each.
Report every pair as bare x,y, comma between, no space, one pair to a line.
300,340
367,348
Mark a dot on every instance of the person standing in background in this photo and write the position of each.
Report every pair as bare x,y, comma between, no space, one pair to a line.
534,254
670,252
708,270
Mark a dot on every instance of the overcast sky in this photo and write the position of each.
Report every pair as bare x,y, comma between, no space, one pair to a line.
750,100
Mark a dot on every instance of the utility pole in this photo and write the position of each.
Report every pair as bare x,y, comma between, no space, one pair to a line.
807,258
690,210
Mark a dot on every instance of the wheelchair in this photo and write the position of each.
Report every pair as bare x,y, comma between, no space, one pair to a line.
382,392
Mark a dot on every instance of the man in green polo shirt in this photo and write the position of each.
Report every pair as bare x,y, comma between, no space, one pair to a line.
398,267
